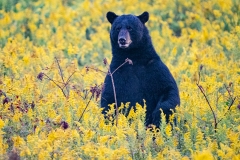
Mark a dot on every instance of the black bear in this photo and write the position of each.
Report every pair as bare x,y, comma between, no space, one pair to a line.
147,79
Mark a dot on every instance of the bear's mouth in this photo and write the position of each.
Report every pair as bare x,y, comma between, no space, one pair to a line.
124,45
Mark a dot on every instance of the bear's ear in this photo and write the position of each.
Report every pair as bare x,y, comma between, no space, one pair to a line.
111,17
144,17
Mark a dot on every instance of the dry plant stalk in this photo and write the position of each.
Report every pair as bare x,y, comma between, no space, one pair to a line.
127,60
42,75
216,121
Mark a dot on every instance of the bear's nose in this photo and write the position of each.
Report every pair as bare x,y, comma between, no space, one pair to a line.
122,41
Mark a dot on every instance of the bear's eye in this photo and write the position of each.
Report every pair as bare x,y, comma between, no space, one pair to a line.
118,28
129,28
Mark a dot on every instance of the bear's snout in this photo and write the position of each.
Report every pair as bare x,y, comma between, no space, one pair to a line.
124,39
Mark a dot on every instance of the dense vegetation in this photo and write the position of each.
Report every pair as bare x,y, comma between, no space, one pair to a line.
51,74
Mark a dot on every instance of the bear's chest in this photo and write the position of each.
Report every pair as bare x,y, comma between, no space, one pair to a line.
135,81
131,78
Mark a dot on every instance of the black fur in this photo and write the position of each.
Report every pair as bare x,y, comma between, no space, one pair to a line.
148,78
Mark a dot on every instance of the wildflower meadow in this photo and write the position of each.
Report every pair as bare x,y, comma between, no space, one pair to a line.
53,56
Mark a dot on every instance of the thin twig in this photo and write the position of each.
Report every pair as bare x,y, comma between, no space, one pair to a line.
60,69
119,67
230,105
97,70
115,96
54,80
198,77
56,84
68,80
86,94
61,74
214,116
205,96
232,99
217,99
114,89
228,91
85,108
111,75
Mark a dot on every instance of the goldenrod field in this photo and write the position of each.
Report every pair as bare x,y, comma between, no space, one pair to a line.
51,73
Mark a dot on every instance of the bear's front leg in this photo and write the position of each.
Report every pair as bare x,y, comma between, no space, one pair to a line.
167,102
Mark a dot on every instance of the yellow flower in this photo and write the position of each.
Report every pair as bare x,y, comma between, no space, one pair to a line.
168,130
119,153
185,158
25,152
17,117
52,136
236,157
103,139
52,114
174,51
206,155
217,13
1,124
18,141
26,60
43,154
72,49
74,134
6,20
89,135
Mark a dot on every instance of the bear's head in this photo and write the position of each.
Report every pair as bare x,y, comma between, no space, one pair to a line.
127,31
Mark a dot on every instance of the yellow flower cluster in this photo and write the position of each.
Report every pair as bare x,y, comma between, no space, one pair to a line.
52,72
